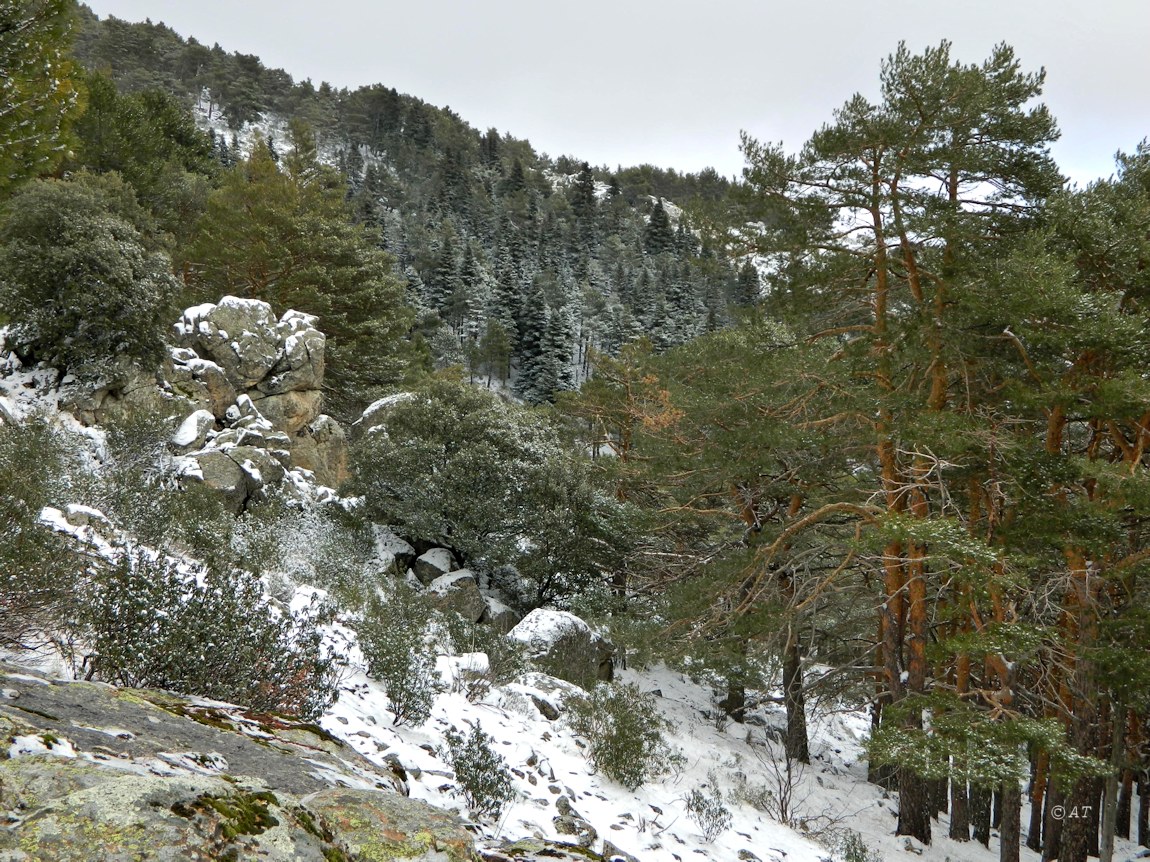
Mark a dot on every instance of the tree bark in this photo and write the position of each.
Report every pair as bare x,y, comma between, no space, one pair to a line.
1110,795
1009,837
980,813
1143,810
913,806
1037,802
1051,825
796,741
959,812
1125,797
939,797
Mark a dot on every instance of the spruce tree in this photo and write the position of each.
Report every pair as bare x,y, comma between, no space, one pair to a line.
659,236
747,286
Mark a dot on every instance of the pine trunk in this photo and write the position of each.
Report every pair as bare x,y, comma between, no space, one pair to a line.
1110,794
1125,797
1009,837
939,797
1037,800
1143,810
1051,825
980,813
1074,842
796,741
959,812
913,806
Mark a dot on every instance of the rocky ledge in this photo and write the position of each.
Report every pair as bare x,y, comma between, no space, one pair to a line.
92,772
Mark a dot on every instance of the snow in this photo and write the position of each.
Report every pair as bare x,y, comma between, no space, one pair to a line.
543,627
443,584
189,430
44,744
250,306
439,558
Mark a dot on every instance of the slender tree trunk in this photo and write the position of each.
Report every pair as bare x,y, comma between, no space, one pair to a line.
1009,837
1094,815
796,741
939,797
885,776
1110,795
996,809
1037,800
1122,811
1143,809
980,813
1077,823
913,806
959,812
1051,825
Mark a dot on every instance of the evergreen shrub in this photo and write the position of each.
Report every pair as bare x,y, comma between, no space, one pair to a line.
624,733
393,636
483,776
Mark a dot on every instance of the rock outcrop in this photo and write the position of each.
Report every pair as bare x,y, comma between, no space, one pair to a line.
563,645
95,772
262,381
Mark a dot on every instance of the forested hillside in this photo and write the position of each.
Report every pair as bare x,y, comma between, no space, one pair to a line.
864,432
517,264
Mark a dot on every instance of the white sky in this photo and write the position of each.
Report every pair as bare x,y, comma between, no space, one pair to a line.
671,82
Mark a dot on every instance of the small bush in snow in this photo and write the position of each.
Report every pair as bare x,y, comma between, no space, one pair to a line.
483,776
393,638
152,623
705,806
40,580
848,846
624,733
506,658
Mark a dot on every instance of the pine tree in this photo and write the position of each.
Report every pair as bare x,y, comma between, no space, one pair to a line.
930,249
39,97
583,205
288,238
533,322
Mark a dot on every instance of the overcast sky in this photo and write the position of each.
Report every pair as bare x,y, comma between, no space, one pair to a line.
671,82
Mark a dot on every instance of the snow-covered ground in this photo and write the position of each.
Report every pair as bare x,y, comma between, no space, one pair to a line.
828,799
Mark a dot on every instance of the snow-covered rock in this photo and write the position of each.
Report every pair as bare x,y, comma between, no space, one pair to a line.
458,592
301,362
321,447
237,334
433,564
200,380
565,646
499,616
193,432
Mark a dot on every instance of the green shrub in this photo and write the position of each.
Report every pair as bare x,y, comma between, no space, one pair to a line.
848,846
624,733
483,776
393,637
705,807
81,285
506,658
40,578
456,465
153,622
